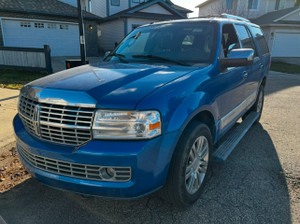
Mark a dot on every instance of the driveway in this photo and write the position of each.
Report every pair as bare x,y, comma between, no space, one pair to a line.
259,182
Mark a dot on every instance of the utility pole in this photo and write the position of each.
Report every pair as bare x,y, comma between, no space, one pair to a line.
81,35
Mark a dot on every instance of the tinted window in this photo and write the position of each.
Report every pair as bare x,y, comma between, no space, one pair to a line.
245,37
262,43
186,42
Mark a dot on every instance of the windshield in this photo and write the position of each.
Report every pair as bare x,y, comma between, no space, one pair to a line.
183,43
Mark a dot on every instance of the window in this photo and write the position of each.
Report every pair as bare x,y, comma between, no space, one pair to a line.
115,2
245,37
63,26
186,42
229,39
39,25
25,24
51,26
253,4
262,43
230,4
90,5
279,4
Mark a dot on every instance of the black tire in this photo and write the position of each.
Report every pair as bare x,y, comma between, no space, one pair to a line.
176,189
257,107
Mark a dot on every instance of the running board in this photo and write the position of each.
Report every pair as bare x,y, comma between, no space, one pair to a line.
224,150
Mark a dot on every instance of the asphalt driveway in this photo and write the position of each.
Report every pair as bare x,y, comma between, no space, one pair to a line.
259,182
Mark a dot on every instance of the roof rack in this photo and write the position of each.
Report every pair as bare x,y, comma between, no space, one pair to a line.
225,15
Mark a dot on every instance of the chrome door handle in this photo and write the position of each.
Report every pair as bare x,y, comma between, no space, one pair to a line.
261,66
244,74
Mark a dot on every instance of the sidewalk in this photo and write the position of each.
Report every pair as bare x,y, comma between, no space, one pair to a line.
8,109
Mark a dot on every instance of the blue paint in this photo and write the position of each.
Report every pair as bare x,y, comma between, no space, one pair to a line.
178,92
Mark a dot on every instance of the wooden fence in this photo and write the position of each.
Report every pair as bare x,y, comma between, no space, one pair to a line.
26,58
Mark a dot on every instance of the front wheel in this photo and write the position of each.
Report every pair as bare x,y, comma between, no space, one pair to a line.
190,166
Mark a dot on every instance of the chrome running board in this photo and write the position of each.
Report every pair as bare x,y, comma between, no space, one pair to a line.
236,135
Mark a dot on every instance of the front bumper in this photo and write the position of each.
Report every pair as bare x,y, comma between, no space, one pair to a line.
149,161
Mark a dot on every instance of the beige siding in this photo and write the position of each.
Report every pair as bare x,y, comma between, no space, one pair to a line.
110,32
22,58
156,9
133,21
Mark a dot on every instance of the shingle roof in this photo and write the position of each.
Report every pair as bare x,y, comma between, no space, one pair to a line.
181,9
43,7
270,17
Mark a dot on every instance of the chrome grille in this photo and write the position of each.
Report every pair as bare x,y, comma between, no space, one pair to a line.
75,170
56,123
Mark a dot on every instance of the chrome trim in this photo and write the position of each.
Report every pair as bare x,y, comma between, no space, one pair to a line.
59,97
56,123
74,170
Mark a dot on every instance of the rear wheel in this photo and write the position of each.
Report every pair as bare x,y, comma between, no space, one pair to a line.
259,104
190,166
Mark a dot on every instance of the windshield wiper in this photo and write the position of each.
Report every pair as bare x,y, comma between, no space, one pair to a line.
119,56
159,58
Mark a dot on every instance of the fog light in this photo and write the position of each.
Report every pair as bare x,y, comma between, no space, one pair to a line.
107,173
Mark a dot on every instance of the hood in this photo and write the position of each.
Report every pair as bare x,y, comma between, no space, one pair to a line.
113,85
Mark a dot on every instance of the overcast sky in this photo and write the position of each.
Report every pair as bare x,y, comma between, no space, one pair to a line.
189,4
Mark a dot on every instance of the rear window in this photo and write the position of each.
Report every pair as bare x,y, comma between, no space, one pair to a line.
258,34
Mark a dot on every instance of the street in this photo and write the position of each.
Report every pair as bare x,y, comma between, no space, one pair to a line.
258,183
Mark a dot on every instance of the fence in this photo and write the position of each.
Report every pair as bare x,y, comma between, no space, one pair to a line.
26,58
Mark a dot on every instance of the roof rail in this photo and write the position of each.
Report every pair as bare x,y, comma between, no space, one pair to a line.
224,15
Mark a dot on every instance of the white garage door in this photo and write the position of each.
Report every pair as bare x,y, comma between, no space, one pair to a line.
61,37
286,45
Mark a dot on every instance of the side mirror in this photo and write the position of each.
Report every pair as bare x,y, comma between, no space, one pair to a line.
238,57
106,54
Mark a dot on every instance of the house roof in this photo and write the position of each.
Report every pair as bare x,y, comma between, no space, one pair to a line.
181,9
275,17
134,12
43,7
204,3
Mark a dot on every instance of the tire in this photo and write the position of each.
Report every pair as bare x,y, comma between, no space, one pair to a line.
182,187
258,105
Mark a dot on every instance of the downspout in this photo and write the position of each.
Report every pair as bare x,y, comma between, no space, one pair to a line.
107,8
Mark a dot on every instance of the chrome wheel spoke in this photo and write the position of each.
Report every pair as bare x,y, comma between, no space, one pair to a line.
188,172
191,183
204,152
197,164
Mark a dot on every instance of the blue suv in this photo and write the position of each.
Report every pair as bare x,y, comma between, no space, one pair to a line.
150,115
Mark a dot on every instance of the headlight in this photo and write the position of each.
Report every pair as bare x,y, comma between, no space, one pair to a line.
117,124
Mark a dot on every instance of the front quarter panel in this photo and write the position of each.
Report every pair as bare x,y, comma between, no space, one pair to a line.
181,99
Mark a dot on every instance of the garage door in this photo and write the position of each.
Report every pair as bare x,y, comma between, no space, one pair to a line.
61,37
286,45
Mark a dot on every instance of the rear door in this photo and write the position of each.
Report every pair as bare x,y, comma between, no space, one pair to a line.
251,73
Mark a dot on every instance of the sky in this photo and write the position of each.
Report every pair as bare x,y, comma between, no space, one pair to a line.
189,4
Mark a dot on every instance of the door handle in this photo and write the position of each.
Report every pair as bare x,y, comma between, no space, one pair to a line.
261,66
244,74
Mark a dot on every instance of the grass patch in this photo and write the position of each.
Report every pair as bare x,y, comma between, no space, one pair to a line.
16,79
285,67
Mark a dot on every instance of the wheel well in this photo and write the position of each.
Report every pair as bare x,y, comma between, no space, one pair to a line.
263,83
207,118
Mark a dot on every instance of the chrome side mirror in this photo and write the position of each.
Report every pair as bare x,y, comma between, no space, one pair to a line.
238,57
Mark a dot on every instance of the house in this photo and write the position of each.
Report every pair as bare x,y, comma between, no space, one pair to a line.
33,23
279,19
119,23
282,31
245,8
